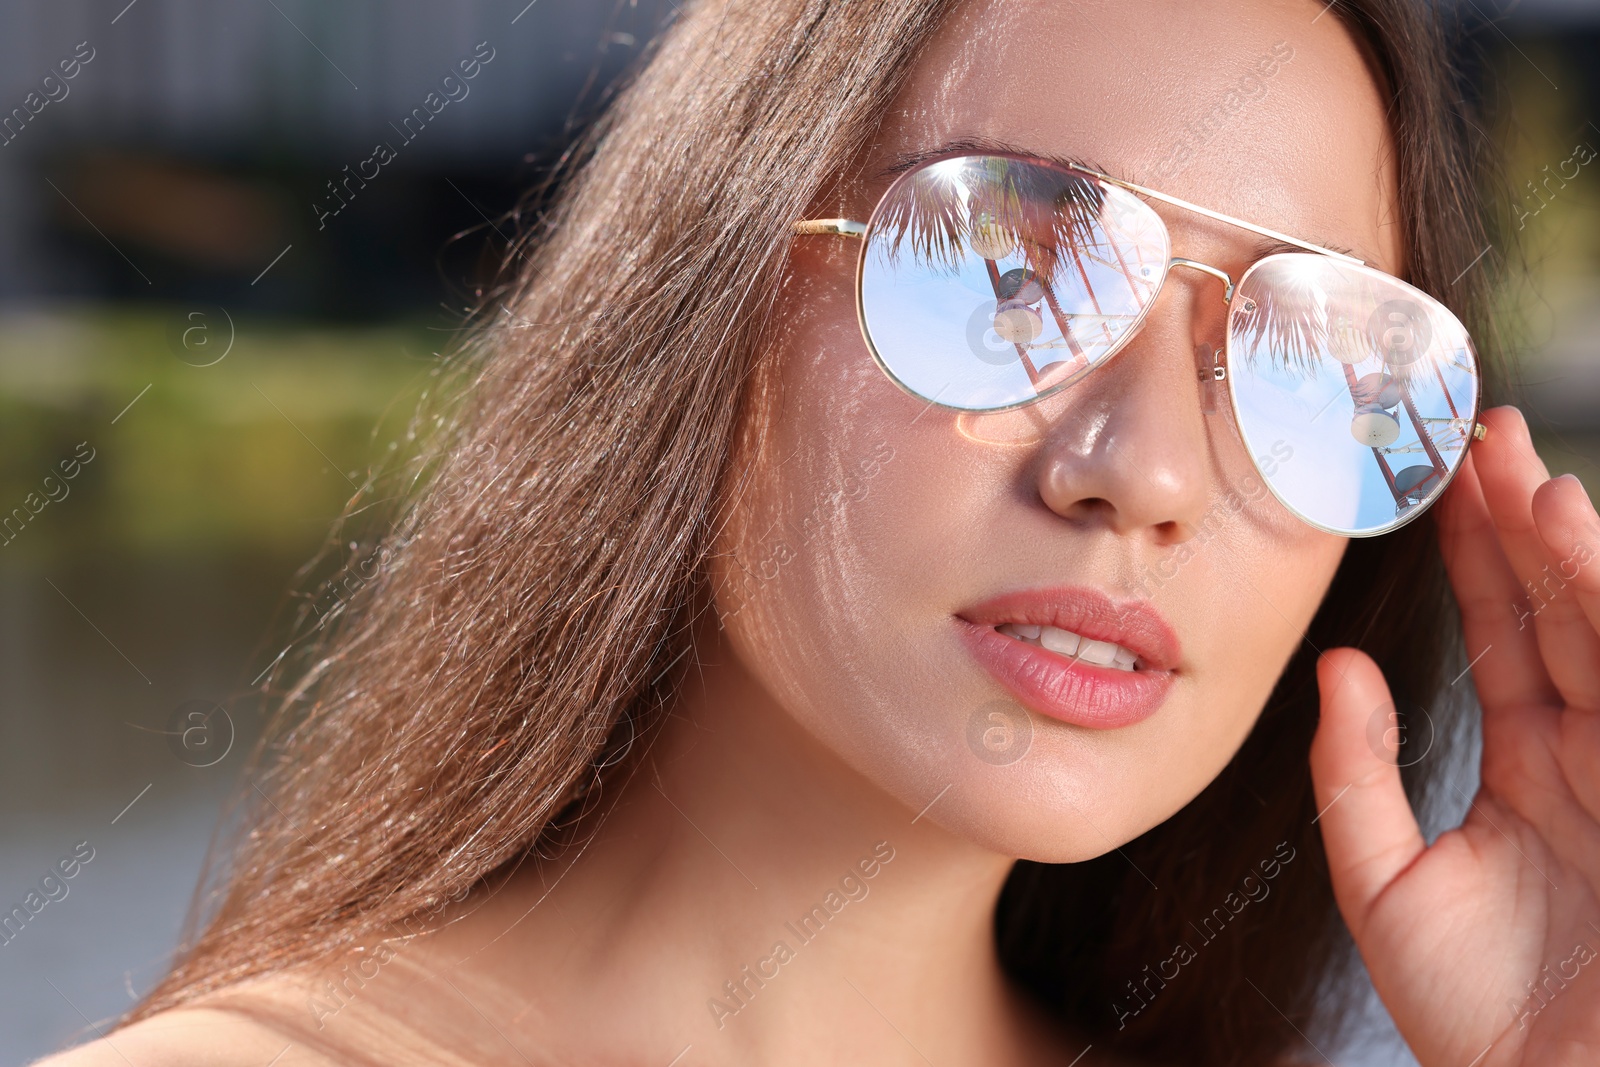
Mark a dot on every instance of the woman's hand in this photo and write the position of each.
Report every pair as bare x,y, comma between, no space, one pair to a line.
1485,947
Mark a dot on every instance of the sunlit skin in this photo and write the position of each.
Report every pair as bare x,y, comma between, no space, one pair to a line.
829,710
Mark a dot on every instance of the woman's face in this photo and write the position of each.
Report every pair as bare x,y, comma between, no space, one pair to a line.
876,543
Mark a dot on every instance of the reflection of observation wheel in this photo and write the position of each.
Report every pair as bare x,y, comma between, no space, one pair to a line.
1449,435
1065,343
1414,485
1023,295
1016,315
1373,426
1380,398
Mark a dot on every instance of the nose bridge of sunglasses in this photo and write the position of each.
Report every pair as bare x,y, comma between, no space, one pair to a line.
1206,268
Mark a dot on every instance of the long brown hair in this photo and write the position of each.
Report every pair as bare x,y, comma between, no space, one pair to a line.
524,614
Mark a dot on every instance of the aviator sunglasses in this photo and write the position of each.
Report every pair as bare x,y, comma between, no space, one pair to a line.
987,282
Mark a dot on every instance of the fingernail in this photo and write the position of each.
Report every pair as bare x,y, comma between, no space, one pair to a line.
1512,409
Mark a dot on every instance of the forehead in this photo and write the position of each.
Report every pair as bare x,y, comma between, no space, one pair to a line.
1263,110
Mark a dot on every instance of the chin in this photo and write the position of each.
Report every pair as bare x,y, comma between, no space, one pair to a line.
1058,793
1041,831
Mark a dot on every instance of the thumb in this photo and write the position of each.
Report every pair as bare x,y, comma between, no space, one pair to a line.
1368,828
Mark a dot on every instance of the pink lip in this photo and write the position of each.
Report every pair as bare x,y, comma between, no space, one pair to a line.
1068,689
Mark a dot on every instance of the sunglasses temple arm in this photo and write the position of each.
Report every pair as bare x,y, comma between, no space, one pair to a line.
830,227
1220,217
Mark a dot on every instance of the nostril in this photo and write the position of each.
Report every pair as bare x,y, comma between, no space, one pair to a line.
1175,532
1094,507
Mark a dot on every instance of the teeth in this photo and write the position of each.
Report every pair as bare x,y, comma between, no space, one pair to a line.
1067,643
1099,653
1062,641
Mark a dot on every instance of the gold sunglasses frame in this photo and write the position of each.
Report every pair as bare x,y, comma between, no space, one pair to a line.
842,227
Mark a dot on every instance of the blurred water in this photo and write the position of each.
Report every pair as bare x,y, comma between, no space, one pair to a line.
83,958
88,686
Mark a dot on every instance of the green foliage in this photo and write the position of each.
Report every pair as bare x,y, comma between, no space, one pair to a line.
236,456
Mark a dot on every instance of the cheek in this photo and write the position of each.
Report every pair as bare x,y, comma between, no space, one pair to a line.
799,468
806,573
1243,592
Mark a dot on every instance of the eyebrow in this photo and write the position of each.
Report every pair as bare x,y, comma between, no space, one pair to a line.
981,146
989,146
1264,248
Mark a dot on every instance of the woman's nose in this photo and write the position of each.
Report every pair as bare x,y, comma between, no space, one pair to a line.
1128,446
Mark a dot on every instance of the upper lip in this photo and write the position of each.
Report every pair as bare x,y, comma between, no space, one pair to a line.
1133,624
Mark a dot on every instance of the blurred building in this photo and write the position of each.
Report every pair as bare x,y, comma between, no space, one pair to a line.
200,137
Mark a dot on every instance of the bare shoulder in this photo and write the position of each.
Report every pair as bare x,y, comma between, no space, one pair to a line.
193,1037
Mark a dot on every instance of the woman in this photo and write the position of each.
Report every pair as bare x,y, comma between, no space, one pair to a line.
702,709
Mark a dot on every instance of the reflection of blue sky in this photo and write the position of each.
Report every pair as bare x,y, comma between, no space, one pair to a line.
933,323
933,326
920,321
1331,477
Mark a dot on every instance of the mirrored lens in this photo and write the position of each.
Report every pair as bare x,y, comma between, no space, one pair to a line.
989,281
1355,392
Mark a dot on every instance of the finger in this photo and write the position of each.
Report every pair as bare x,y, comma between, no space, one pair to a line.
1508,668
1510,472
1368,828
1568,590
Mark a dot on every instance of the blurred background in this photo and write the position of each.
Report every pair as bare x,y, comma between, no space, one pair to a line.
219,303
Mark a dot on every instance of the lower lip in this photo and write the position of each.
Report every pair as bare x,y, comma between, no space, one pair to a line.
1102,698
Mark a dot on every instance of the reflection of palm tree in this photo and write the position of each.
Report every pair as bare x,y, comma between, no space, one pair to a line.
1047,213
978,205
933,216
1286,319
1286,323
